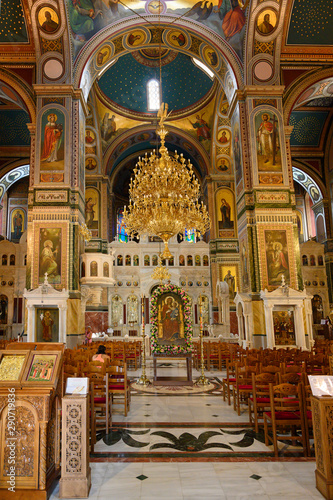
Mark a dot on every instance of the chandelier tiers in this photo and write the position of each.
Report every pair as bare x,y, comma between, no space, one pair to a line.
164,195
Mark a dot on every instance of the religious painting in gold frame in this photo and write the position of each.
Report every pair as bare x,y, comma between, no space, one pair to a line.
12,364
42,368
284,326
170,319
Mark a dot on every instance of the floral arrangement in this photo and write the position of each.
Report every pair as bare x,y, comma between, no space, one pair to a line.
171,349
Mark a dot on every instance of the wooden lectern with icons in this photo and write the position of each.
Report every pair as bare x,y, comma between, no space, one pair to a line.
30,416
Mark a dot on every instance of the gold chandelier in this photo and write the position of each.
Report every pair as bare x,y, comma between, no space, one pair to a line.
164,195
161,273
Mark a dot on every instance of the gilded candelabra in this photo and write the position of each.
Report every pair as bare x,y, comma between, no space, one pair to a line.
202,380
143,380
164,195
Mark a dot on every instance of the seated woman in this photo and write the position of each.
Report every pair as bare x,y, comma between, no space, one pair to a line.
100,355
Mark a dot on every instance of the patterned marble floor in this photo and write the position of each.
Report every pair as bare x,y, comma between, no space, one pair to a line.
147,456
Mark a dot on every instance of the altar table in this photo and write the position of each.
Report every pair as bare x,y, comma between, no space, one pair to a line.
173,380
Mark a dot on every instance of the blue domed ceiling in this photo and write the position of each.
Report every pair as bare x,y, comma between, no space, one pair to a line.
183,83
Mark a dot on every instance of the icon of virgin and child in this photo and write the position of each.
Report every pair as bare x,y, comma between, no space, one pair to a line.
170,320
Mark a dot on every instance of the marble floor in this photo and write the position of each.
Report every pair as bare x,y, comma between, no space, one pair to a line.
124,466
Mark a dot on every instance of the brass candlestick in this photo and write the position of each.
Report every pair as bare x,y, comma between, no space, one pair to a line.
143,380
202,380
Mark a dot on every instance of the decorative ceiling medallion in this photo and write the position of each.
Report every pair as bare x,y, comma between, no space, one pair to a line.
150,57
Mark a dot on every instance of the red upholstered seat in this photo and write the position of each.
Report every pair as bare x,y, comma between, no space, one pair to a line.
100,400
261,400
284,415
115,387
245,387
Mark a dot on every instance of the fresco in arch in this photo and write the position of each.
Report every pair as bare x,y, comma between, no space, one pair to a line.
225,17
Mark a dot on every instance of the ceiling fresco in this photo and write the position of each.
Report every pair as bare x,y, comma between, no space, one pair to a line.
308,127
12,22
227,18
13,128
125,83
311,23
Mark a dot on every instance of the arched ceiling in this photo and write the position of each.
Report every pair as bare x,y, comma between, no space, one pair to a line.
183,83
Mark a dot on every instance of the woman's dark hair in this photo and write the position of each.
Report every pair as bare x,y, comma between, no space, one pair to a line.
101,349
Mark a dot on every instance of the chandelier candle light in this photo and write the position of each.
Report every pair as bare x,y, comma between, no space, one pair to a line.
164,195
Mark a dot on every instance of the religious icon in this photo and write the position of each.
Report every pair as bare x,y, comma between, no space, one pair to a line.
284,327
92,210
135,260
11,366
205,260
268,150
90,137
181,260
103,55
136,37
106,271
50,254
42,367
230,280
189,260
109,128
225,213
202,127
155,260
277,256
52,138
177,38
17,226
223,165
119,260
237,153
91,164
48,19
47,324
127,260
170,319
93,268
197,260
266,21
211,57
224,137
146,260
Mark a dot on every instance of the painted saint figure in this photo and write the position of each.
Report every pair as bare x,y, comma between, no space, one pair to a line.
265,27
89,212
265,137
202,128
18,223
230,280
47,324
49,25
52,139
48,263
170,319
225,215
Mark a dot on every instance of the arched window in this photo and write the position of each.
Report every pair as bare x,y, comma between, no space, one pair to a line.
106,270
155,260
93,268
121,233
181,260
119,260
4,260
305,260
205,260
25,260
135,260
83,270
312,260
197,260
171,261
127,260
153,95
12,260
146,260
132,310
189,260
320,260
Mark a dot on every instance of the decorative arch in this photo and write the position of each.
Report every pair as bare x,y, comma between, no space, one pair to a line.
299,86
308,183
227,70
11,177
22,91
